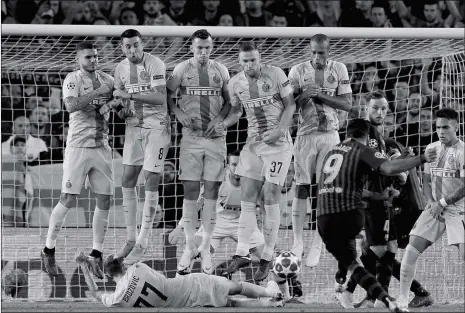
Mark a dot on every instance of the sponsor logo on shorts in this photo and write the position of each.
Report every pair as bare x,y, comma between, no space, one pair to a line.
331,190
68,184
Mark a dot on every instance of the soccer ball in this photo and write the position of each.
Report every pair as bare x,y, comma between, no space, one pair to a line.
286,265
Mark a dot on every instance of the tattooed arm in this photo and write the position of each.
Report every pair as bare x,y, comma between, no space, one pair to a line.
457,195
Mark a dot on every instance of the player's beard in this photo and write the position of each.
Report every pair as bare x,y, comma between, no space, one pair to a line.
376,121
203,59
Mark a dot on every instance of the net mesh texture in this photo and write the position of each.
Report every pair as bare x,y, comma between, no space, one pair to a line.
419,76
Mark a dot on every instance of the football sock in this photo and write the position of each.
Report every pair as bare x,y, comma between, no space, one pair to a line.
271,229
368,282
407,270
255,291
368,259
99,228
189,215
130,212
299,211
384,269
247,224
284,288
54,226
208,222
416,287
148,214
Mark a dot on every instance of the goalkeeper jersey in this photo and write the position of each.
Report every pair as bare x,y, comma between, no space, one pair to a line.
334,80
447,172
261,98
143,78
87,128
201,92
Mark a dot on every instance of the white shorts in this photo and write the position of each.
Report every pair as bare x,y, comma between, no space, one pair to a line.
431,229
260,161
228,228
94,163
310,151
202,159
146,147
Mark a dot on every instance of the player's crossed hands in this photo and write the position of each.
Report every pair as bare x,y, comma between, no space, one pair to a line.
436,210
104,89
272,136
390,192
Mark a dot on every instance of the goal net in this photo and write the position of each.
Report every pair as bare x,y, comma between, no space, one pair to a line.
419,69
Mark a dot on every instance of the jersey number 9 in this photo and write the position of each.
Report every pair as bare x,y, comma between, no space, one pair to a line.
332,167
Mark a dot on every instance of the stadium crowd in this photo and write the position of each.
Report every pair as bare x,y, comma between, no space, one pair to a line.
33,118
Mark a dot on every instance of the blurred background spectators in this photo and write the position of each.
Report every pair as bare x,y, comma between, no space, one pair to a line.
35,125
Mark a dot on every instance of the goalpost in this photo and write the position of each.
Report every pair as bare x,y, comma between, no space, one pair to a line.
36,59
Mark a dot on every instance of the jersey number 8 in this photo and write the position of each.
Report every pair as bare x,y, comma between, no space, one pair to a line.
332,167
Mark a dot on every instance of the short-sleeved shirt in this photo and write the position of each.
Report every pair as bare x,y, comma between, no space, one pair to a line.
261,98
201,92
229,196
143,78
343,176
142,286
87,128
447,172
334,80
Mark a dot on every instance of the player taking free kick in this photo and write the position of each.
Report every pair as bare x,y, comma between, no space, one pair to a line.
87,154
267,96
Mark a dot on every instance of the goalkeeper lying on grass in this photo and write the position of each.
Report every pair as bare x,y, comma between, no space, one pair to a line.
141,286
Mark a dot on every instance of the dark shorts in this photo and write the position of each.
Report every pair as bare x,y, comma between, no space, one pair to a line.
338,232
379,226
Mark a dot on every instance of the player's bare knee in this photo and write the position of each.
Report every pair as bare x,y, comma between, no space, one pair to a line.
302,191
419,243
379,250
130,176
272,193
191,189
152,181
103,202
211,189
68,200
250,189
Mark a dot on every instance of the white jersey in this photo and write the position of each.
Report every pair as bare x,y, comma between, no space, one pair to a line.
229,197
142,286
447,172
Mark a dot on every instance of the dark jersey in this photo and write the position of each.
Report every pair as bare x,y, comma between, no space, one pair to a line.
343,176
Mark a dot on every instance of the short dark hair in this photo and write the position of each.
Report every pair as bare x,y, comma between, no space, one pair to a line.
83,45
431,2
130,33
447,113
378,94
319,38
357,128
380,4
235,153
113,266
248,46
17,139
201,34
